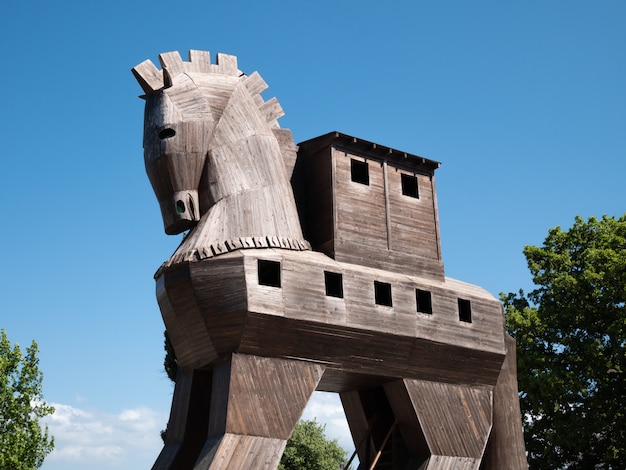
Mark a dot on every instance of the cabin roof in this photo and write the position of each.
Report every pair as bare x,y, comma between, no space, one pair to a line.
337,139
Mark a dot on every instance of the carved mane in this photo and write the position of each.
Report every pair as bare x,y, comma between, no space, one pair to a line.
217,159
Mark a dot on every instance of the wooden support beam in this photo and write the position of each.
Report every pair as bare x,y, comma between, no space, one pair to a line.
255,404
506,448
187,425
453,420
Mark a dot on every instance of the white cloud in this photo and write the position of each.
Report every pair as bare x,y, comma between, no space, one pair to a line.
95,439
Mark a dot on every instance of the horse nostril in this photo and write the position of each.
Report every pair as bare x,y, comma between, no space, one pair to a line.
167,133
180,207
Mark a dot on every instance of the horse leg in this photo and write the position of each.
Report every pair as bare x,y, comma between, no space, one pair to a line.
450,422
188,423
506,448
255,404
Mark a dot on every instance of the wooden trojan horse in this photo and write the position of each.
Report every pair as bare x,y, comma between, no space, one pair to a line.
312,269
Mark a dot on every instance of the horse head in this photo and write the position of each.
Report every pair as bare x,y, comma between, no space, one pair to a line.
215,155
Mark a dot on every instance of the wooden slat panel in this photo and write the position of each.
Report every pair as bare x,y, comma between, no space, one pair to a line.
439,462
414,224
360,209
227,64
220,287
255,83
231,451
357,421
272,110
298,320
262,396
455,419
172,65
199,61
187,426
287,148
149,77
317,202
183,319
506,447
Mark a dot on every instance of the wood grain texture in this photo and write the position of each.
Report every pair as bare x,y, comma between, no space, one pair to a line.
352,333
265,396
455,419
216,156
186,429
237,452
372,224
506,447
251,351
184,320
440,462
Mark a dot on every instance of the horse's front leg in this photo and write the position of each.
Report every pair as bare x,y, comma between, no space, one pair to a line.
255,404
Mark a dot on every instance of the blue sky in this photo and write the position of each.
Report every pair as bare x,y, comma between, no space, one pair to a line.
524,103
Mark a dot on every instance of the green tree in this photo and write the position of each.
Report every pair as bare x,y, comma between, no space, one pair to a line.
309,449
571,338
23,445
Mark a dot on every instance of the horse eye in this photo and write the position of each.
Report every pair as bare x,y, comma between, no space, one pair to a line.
167,133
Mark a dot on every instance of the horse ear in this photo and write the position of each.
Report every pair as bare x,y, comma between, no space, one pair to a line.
149,77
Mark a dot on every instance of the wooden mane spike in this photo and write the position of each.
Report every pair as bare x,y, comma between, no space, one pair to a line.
151,79
172,65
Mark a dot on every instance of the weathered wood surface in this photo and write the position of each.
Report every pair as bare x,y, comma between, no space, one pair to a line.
220,167
372,224
506,447
235,451
350,334
206,128
455,419
187,426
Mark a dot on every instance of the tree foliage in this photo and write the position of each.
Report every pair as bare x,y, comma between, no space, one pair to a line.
571,337
309,449
23,444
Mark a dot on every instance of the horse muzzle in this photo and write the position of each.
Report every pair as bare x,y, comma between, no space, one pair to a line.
180,211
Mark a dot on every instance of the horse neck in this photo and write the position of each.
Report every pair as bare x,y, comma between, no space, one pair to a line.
247,187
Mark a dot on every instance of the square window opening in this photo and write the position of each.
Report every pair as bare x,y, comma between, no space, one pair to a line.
269,273
424,301
465,310
409,185
359,172
334,284
382,293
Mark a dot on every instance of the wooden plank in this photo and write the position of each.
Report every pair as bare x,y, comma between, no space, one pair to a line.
232,451
149,77
440,462
172,65
199,61
268,395
454,419
272,110
227,65
255,83
506,447
188,423
183,319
